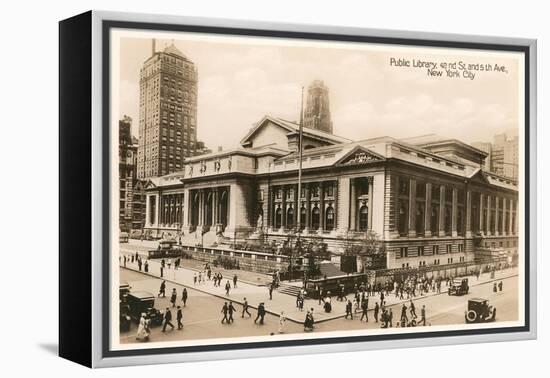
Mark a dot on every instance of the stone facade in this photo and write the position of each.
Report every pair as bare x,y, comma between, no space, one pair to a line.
427,209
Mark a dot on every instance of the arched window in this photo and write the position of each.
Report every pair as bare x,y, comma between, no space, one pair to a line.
329,221
363,218
278,218
290,217
315,218
303,217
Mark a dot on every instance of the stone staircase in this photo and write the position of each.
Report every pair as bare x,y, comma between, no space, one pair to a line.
288,289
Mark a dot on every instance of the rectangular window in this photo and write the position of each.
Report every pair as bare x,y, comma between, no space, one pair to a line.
449,248
421,251
403,252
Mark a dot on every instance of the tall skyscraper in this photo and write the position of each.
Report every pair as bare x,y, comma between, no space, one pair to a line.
317,112
167,112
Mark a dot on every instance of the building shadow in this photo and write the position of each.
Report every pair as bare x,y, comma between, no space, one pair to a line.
51,348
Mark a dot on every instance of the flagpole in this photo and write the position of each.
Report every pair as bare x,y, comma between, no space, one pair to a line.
300,151
299,193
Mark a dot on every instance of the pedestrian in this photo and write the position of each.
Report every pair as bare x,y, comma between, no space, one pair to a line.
224,311
423,315
261,313
162,289
235,281
390,315
404,318
167,319
124,261
282,321
179,318
412,309
169,263
184,296
308,322
381,298
173,297
200,277
500,286
364,309
161,271
194,278
227,287
142,332
301,303
146,266
163,263
348,310
230,310
376,310
494,287
271,291
245,308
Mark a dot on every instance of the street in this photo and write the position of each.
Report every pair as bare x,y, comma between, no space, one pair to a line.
202,315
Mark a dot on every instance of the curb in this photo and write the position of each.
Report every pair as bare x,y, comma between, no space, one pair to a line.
287,317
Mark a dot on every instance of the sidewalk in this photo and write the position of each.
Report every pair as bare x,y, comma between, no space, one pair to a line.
282,302
252,278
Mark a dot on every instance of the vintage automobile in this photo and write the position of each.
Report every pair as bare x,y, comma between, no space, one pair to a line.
142,302
480,311
124,309
123,237
124,289
459,286
166,248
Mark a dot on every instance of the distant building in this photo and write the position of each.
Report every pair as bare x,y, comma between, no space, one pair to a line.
131,190
503,158
127,152
317,111
488,148
167,112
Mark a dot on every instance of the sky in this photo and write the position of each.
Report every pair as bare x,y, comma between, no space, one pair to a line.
241,79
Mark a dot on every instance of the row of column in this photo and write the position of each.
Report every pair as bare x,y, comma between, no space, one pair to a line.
500,227
323,203
209,215
171,209
484,213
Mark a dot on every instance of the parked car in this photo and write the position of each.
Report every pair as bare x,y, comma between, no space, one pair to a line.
142,302
123,237
480,311
124,309
459,286
124,289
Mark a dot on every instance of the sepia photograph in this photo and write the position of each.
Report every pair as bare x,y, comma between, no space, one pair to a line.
269,189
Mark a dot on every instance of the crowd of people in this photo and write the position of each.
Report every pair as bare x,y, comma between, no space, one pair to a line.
364,301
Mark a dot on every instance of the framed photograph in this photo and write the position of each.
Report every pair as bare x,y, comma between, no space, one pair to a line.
236,189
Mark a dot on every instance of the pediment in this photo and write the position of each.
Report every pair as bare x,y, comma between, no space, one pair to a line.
360,155
479,177
150,184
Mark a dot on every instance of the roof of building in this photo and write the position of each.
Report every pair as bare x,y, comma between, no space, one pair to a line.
293,127
172,49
